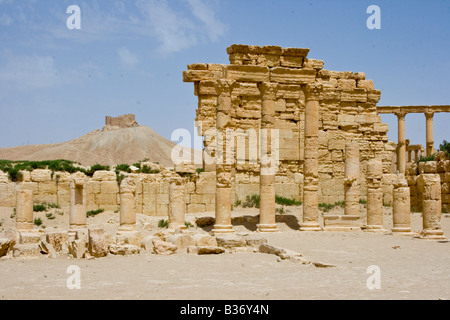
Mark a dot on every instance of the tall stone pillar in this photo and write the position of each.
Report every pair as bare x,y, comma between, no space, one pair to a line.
267,171
127,205
311,165
223,169
374,196
24,210
78,203
429,133
401,211
127,233
177,204
350,221
401,145
430,187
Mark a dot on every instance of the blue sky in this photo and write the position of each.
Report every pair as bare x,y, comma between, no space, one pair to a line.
57,84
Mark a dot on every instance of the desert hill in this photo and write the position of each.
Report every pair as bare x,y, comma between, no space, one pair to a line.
121,140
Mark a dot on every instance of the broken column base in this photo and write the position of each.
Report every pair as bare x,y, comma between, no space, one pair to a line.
310,226
128,237
341,223
219,229
432,234
267,228
374,229
402,231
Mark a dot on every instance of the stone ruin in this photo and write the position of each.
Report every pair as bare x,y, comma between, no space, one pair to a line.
123,121
323,125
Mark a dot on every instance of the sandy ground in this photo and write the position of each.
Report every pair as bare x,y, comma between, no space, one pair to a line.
410,268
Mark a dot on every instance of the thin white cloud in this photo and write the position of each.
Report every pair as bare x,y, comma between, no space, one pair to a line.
173,31
127,58
213,27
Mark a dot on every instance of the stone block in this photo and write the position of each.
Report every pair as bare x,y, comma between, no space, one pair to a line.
58,239
202,240
248,73
41,175
103,175
230,241
182,241
292,76
163,248
202,250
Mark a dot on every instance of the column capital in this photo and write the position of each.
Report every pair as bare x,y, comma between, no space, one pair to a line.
312,91
224,86
429,114
268,90
401,114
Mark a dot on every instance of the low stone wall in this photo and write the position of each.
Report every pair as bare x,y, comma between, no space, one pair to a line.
441,167
152,190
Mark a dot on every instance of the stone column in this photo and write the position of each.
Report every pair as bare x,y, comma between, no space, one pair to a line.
177,204
127,233
430,187
374,196
223,170
267,171
78,201
24,210
429,133
351,188
401,145
401,210
127,205
311,164
350,220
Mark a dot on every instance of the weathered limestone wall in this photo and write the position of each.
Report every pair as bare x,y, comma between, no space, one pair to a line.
102,190
347,113
441,167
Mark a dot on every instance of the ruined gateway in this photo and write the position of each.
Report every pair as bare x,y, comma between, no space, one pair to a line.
348,112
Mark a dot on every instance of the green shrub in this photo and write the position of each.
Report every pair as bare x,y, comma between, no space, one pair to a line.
123,167
53,206
50,216
15,175
96,167
147,169
286,201
445,147
200,170
93,213
362,201
426,158
38,221
252,201
188,224
328,206
39,207
280,210
163,223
